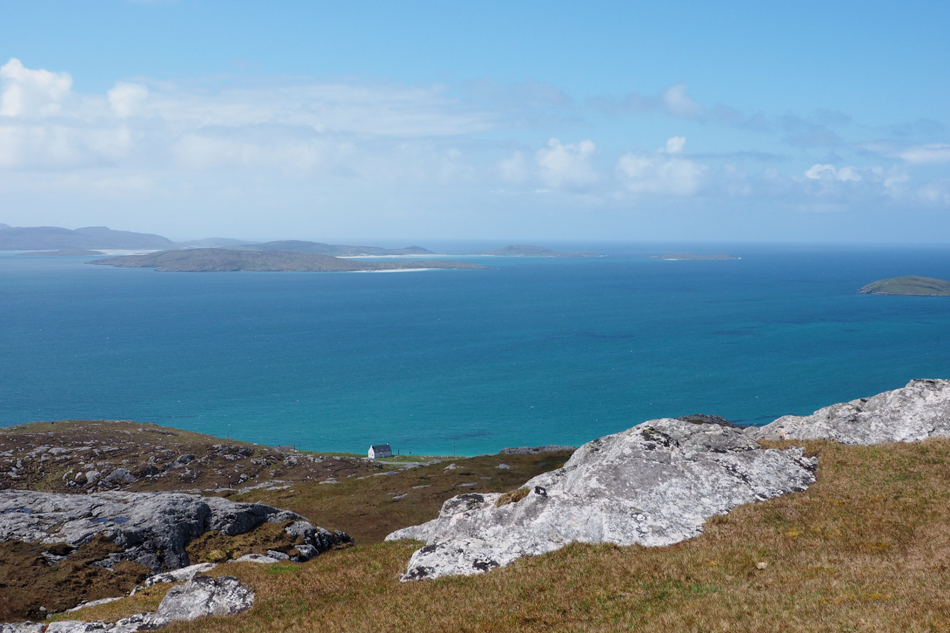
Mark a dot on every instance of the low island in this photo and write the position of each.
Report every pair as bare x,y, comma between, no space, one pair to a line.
227,260
911,286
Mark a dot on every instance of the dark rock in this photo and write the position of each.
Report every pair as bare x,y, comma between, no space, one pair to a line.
705,418
534,450
153,528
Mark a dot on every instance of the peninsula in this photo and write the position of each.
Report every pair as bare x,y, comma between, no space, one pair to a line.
908,287
526,250
228,260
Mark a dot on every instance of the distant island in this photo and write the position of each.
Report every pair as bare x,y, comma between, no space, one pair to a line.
229,260
53,238
63,252
908,287
525,250
56,240
694,256
300,246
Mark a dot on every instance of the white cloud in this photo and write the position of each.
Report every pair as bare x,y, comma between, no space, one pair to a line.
849,173
567,166
675,145
127,99
935,153
660,174
936,192
514,168
29,92
678,103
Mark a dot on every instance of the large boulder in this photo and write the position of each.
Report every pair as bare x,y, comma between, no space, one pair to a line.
654,484
915,412
199,597
153,528
202,596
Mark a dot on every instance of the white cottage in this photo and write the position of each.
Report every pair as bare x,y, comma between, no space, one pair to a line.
377,451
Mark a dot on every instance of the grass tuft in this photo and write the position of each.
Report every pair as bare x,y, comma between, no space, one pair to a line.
512,496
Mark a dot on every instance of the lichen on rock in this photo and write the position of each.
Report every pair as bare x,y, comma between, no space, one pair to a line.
912,413
654,484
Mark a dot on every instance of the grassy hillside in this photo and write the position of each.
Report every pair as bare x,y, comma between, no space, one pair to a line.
867,548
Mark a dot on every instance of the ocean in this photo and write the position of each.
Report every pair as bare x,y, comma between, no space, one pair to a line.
533,351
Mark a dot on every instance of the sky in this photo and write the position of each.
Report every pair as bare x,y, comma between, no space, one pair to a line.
546,121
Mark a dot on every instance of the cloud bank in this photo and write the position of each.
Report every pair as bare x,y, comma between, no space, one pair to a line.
278,142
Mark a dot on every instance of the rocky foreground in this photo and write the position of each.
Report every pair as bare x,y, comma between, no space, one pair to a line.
655,484
910,414
151,529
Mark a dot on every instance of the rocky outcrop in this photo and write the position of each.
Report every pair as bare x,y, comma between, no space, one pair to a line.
21,627
153,528
202,596
199,597
915,412
534,450
655,484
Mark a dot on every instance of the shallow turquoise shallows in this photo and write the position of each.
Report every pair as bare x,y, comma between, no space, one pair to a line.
533,351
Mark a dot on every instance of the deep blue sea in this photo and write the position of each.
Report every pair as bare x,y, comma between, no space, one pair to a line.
533,351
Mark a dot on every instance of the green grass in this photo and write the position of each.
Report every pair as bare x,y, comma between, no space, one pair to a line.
867,548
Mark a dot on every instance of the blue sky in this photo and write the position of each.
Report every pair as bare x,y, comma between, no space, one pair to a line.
732,121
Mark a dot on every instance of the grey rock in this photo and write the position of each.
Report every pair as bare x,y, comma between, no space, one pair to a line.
202,596
912,413
94,603
120,476
131,624
503,467
78,626
255,558
654,484
153,528
706,418
138,622
277,555
534,450
179,575
21,627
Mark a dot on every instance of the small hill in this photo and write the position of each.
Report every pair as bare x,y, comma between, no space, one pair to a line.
46,238
229,260
526,250
336,250
908,287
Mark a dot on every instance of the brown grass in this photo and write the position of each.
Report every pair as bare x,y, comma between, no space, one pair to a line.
512,496
865,549
29,584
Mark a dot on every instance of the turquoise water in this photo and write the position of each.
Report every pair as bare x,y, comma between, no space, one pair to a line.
534,351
